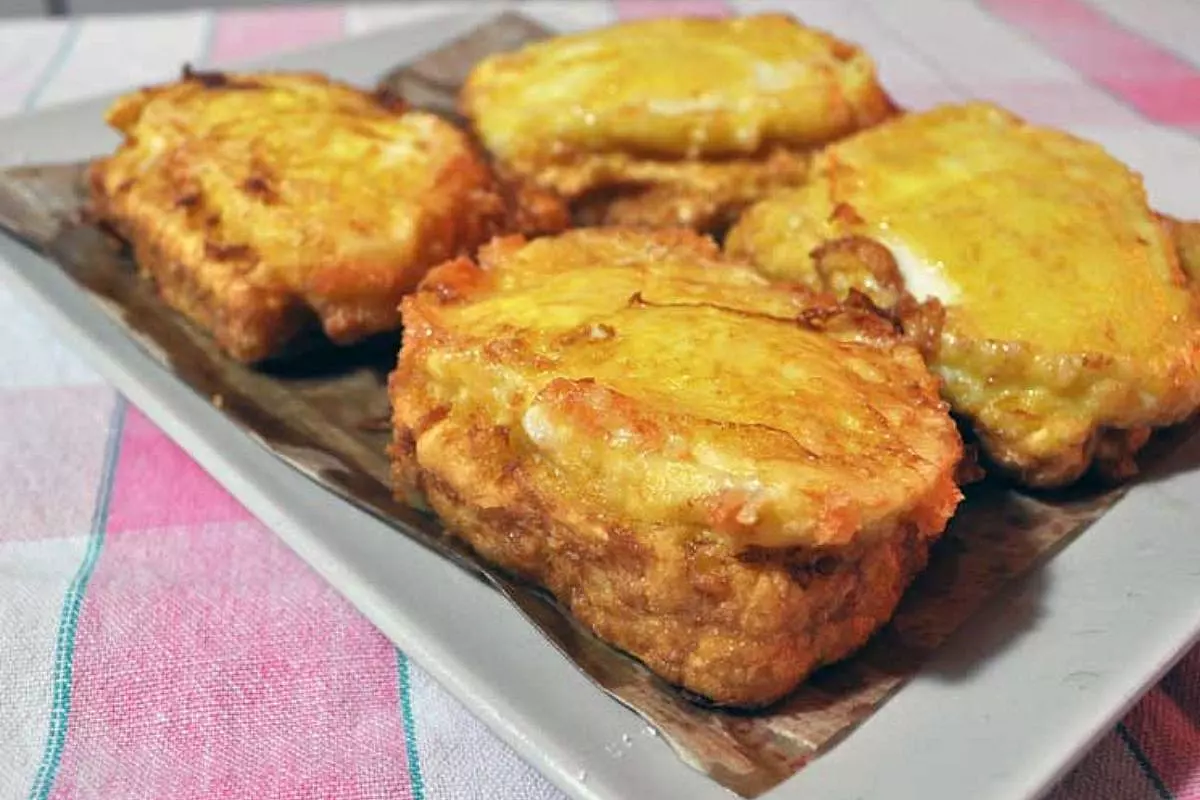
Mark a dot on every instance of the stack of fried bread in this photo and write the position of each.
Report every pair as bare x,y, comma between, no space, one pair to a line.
672,121
729,460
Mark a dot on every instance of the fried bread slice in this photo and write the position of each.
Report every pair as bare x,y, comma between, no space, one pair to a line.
732,481
266,204
1048,295
678,121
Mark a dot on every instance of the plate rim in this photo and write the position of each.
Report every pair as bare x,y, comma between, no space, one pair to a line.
194,424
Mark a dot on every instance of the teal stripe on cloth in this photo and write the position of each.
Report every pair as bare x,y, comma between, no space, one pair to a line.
66,43
64,644
1139,756
410,729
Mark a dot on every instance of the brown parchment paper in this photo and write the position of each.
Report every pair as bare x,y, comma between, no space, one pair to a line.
326,414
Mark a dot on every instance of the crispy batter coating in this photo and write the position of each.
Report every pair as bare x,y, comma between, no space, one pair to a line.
262,204
705,195
672,121
1186,235
733,481
1046,293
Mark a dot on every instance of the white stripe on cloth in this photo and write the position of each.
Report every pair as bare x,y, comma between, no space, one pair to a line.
32,353
52,458
27,50
978,35
80,58
371,17
32,53
35,576
993,61
568,17
119,52
462,759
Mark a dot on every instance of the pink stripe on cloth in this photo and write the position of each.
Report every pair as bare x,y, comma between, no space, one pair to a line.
210,662
254,33
1170,741
1110,770
1158,84
648,9
1182,683
158,484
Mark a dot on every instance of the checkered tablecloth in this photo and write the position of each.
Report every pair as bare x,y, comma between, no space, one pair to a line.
156,641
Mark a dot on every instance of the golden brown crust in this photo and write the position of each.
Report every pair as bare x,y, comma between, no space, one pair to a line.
263,204
741,629
610,121
707,195
1186,236
248,322
734,507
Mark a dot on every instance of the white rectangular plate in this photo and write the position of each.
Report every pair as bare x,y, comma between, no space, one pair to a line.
1001,712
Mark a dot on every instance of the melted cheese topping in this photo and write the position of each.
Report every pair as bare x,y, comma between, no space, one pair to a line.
669,385
1034,235
673,87
922,278
303,171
